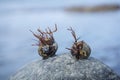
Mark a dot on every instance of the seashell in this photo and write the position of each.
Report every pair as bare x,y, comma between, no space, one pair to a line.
47,46
79,49
47,51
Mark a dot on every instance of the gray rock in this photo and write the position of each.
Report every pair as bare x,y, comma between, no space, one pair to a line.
65,67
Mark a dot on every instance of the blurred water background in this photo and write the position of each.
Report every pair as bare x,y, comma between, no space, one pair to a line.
100,30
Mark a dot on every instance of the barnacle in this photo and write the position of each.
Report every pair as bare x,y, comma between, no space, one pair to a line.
46,42
79,49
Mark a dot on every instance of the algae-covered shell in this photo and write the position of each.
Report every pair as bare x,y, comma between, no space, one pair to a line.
47,51
81,50
46,42
86,50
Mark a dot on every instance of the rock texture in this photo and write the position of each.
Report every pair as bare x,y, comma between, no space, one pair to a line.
65,67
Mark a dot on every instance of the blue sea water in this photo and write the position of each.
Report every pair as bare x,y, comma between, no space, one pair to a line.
99,30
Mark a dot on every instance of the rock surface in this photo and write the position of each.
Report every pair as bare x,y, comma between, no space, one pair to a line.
65,67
